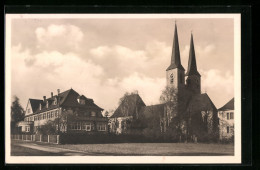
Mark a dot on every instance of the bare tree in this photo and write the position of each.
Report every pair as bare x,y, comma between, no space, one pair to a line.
176,116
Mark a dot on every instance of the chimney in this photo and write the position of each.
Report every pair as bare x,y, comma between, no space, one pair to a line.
44,98
51,94
58,90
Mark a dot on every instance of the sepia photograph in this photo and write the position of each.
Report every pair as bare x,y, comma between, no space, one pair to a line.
123,88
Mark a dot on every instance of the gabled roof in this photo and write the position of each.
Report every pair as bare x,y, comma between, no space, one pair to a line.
175,59
153,111
228,106
35,104
201,102
129,106
67,98
192,66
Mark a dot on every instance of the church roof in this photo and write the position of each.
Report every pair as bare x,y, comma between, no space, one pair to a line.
130,105
201,102
228,106
153,111
175,59
192,66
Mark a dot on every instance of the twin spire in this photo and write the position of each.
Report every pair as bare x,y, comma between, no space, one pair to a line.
175,59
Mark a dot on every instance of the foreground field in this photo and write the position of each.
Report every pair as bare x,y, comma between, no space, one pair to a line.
158,149
123,149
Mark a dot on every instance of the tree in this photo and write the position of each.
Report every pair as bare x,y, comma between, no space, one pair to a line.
48,128
17,113
175,118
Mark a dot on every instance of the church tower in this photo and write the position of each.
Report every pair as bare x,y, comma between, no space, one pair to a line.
175,72
193,76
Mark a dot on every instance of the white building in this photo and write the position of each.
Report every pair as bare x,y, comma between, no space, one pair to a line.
226,120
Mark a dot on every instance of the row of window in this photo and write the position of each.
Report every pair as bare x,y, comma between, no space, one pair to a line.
43,116
230,115
87,126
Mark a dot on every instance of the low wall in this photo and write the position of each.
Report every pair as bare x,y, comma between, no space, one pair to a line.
37,138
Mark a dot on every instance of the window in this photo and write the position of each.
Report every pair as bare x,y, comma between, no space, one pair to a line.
87,126
35,118
55,101
44,115
31,118
47,104
75,126
93,113
82,101
40,107
48,115
227,129
52,114
171,78
231,115
27,128
101,127
227,115
28,110
56,113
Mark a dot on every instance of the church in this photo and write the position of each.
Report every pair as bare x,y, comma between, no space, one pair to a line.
199,116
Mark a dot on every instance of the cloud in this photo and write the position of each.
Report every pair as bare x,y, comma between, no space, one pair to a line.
59,37
50,71
54,70
122,61
149,88
220,86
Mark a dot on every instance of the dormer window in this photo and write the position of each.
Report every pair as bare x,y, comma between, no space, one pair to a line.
93,114
47,104
40,107
28,110
55,101
81,101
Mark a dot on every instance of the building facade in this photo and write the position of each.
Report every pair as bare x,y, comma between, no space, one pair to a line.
226,121
68,111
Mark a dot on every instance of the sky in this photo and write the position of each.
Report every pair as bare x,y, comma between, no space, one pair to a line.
104,58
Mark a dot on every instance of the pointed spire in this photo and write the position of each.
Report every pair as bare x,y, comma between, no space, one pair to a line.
192,67
175,60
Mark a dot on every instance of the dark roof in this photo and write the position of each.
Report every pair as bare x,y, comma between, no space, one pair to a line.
175,59
130,105
35,104
228,106
201,102
192,66
67,98
153,111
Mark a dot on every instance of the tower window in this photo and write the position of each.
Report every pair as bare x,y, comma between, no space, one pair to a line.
171,78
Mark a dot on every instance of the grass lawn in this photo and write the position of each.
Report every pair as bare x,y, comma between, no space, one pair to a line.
156,149
23,151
